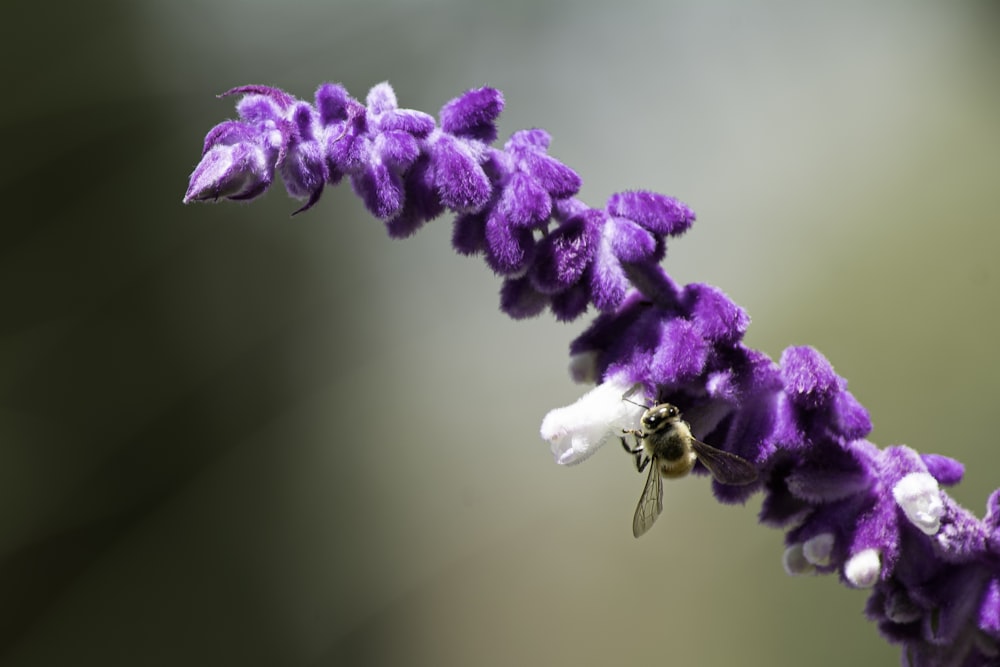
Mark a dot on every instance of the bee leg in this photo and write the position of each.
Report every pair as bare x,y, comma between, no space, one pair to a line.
638,453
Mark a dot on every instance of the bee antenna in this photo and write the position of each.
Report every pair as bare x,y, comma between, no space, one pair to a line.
629,400
636,387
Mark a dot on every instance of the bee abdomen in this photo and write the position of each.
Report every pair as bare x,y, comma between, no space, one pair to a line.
678,467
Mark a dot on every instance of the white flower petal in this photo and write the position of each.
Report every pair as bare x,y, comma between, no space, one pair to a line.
863,568
576,431
919,496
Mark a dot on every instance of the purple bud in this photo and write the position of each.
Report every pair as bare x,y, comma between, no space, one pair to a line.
229,133
946,470
260,109
525,203
559,180
608,284
629,241
473,115
461,181
398,149
991,522
239,171
657,213
850,419
304,173
570,304
681,354
809,378
412,122
717,318
535,139
420,202
381,98
520,300
508,250
333,103
349,151
989,610
468,235
565,254
381,189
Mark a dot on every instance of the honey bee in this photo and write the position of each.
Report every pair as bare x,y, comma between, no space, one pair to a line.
665,441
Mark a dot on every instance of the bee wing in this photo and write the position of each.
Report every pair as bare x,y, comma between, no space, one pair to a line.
650,502
725,467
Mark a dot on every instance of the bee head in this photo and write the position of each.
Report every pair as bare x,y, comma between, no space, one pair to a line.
659,416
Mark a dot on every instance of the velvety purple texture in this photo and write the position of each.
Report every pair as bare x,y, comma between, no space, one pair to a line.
514,205
935,582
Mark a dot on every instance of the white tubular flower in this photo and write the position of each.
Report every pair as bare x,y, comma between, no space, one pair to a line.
794,561
817,549
919,496
576,431
864,568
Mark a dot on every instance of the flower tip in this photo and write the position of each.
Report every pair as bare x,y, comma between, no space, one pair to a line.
571,438
233,172
658,213
817,550
919,496
863,568
795,562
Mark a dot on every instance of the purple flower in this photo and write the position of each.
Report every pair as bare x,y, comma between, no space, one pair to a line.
879,518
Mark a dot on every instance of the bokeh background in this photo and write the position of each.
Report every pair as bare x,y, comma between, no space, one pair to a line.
228,437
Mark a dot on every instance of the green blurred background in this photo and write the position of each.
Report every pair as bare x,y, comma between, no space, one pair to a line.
228,437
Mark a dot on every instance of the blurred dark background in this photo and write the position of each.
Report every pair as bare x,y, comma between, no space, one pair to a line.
232,437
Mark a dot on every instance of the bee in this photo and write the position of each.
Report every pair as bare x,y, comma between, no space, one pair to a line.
666,446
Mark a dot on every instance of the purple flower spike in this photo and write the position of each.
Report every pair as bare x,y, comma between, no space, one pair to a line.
879,519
